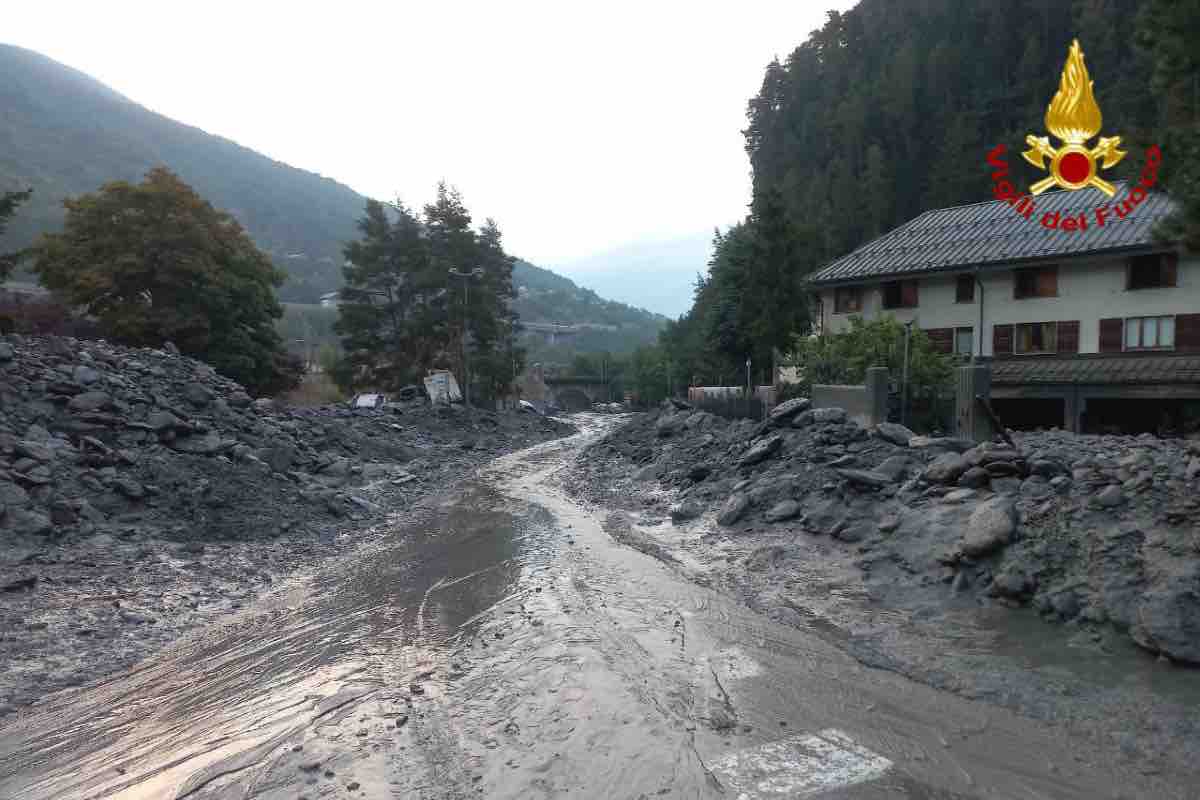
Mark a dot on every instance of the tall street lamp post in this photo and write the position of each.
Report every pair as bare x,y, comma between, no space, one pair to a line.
466,276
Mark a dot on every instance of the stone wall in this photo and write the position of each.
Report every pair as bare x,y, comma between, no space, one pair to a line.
866,404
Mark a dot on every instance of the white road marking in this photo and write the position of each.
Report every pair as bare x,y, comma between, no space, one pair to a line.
799,766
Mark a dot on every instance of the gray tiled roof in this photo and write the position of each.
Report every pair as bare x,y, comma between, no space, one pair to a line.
1132,369
993,233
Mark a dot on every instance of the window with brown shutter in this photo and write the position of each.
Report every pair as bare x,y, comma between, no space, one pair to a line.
942,339
1154,271
1002,340
1035,282
1111,331
1068,337
1187,333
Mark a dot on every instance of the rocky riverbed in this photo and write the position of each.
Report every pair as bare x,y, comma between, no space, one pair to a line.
935,557
142,494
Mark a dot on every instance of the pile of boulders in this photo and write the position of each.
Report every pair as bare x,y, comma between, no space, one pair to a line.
142,494
1094,529
93,434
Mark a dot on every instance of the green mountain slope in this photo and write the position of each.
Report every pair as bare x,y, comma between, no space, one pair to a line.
600,325
64,133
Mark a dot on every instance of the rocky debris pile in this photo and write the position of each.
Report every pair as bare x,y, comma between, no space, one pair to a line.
147,479
1090,529
93,434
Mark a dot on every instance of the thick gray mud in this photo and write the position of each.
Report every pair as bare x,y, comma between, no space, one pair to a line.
505,646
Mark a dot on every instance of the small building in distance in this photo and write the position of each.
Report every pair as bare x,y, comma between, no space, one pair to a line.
1090,330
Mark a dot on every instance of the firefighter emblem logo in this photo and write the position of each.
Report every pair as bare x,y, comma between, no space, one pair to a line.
1074,117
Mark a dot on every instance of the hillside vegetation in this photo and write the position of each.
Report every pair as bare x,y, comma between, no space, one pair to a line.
64,134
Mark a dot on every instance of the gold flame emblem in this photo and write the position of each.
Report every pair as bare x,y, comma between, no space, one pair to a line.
1073,116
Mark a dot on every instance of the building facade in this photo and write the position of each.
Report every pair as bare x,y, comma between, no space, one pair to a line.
1084,327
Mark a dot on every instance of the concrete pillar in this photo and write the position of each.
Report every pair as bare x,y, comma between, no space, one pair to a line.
877,394
971,421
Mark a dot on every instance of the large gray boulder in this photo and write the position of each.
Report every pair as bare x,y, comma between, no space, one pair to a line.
84,375
867,478
198,394
761,451
991,527
783,510
829,415
12,495
895,433
946,468
733,509
207,445
89,401
784,412
893,467
1168,618
940,443
28,523
1110,496
6,352
974,478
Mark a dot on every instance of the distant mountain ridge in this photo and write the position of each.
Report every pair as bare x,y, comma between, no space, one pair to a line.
64,133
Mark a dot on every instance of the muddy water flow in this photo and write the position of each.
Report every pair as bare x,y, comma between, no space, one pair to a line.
505,646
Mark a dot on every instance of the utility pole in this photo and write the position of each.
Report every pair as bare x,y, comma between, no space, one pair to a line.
466,276
748,389
904,396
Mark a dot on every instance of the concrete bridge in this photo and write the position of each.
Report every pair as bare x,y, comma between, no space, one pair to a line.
576,392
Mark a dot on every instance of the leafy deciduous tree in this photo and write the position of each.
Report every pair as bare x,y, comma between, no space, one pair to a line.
155,262
9,201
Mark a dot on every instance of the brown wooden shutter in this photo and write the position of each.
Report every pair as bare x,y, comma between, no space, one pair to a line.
1002,340
942,339
1170,269
1047,282
1187,333
1112,332
1068,337
908,294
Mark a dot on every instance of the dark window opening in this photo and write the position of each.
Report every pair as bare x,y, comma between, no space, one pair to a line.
900,294
1154,271
847,301
1030,413
1131,416
964,289
1035,282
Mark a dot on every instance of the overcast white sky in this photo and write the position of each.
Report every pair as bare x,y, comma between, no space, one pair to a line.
579,127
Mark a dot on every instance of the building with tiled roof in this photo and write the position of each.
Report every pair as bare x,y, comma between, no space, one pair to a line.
1090,324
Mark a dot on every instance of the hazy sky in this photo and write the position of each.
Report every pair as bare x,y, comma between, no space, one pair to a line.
579,126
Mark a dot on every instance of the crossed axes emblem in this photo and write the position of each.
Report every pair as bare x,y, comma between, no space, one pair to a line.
1073,166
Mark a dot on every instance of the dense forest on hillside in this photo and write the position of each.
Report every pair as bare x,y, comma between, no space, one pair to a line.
889,110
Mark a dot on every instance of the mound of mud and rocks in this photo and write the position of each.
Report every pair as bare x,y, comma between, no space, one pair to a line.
1094,531
141,493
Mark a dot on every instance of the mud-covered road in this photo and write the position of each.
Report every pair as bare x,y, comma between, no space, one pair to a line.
505,646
